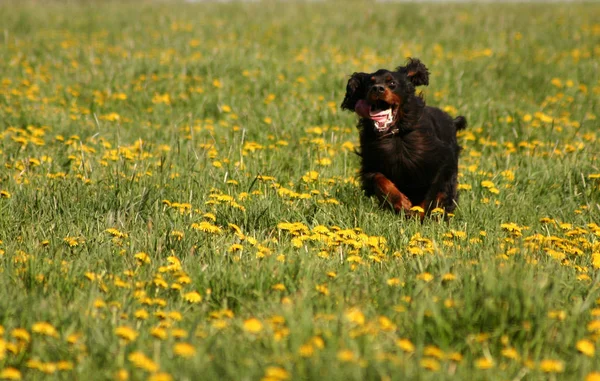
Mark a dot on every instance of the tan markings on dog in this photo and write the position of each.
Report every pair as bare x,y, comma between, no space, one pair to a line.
388,194
391,98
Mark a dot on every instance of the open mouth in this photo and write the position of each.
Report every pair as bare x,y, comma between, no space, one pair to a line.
382,113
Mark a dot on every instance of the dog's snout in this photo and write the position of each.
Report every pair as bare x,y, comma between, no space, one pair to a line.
378,89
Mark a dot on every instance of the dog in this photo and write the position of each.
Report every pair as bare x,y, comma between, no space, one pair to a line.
409,152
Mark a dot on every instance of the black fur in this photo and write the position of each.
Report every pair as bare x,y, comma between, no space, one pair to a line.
417,153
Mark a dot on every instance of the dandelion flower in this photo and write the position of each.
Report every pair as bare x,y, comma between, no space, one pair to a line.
252,325
10,374
433,351
122,375
552,366
430,364
160,376
184,350
586,347
594,376
510,353
193,297
141,314
126,333
427,277
21,334
484,363
276,373
142,257
206,227
45,329
406,345
159,333
355,316
141,361
306,350
345,355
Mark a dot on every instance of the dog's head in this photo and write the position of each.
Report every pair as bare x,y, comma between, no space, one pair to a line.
379,96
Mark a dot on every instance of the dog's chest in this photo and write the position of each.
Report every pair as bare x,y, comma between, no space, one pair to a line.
398,157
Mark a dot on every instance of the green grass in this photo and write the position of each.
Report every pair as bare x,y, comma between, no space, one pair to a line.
129,129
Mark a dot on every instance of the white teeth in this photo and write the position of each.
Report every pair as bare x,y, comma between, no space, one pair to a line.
387,113
382,126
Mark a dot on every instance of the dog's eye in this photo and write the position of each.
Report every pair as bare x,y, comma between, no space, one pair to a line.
392,83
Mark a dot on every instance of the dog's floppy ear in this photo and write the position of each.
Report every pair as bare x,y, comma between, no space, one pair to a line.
416,72
355,90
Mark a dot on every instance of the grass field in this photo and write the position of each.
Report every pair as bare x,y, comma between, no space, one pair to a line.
178,195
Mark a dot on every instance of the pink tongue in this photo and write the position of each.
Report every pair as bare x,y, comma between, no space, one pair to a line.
362,108
380,116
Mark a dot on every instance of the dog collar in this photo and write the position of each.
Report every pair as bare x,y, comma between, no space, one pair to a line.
392,132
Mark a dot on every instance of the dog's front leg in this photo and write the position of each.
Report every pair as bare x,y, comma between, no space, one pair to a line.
442,193
388,194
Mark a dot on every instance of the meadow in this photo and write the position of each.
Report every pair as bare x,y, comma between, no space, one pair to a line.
179,195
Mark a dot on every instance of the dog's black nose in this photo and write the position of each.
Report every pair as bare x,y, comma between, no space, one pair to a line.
379,89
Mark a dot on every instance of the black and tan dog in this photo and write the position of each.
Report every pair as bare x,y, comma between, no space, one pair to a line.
409,150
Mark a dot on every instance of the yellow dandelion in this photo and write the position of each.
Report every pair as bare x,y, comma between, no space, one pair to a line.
5,194
322,289
276,373
184,350
22,334
159,333
253,325
160,376
586,347
433,351
122,375
345,355
427,277
594,326
141,361
126,333
594,376
417,209
552,366
10,374
207,227
193,297
355,316
64,365
324,162
142,257
430,364
306,350
406,345
44,328
385,324
484,363
510,353
310,176
141,314
235,248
